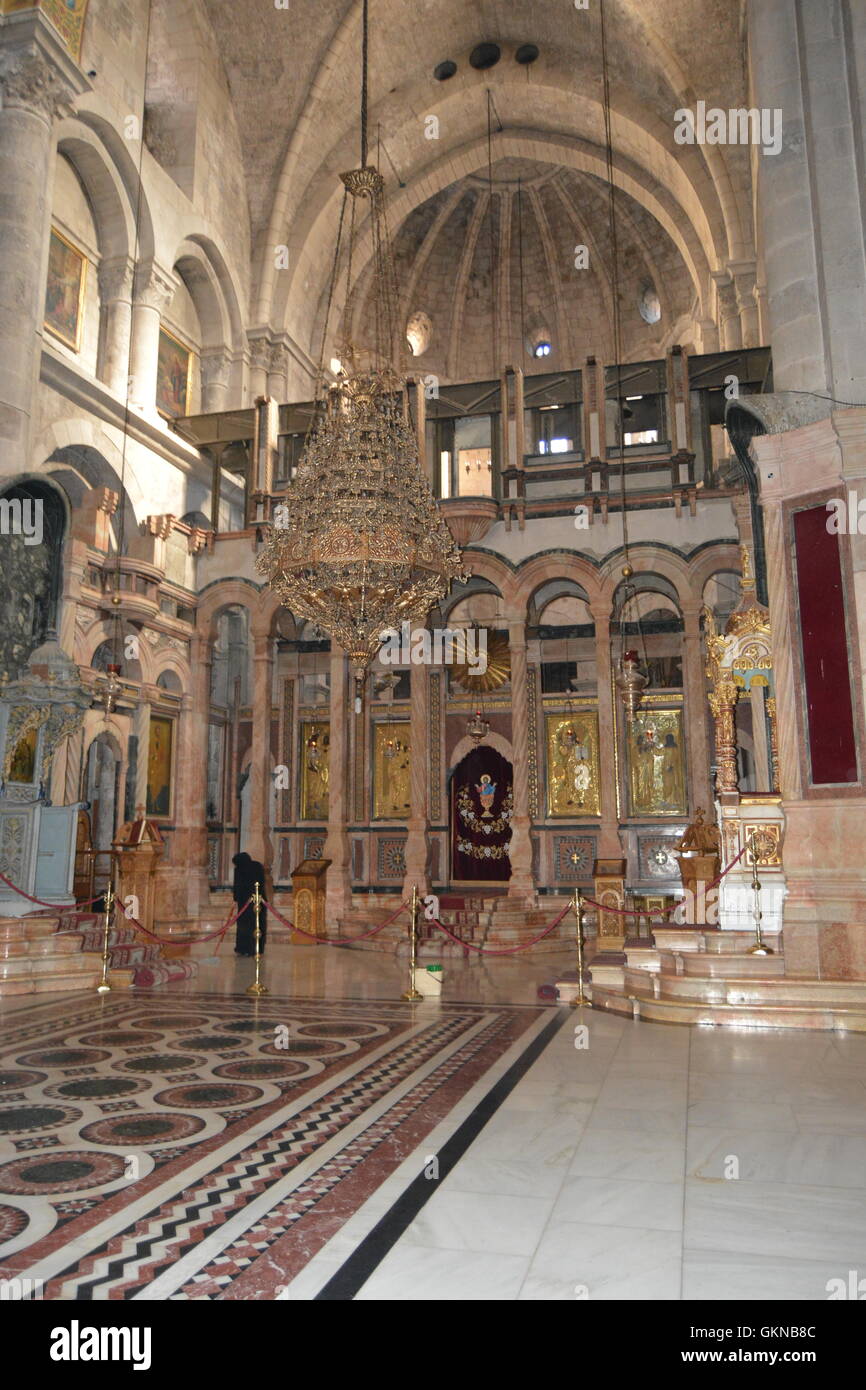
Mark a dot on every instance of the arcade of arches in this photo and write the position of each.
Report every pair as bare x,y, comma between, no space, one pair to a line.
164,279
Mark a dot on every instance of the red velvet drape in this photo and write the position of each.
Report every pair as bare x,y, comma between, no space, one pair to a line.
479,842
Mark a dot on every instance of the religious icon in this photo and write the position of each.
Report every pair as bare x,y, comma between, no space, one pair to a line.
173,375
64,291
572,765
486,795
159,766
392,771
315,770
655,763
22,765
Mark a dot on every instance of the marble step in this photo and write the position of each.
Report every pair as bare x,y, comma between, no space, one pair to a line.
827,1018
707,966
51,945
767,992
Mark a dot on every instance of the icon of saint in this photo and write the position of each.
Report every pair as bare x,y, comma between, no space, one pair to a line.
486,795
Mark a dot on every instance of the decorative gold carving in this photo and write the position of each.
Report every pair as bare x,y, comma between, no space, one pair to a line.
572,764
498,667
392,770
767,840
774,742
701,838
656,767
532,737
435,746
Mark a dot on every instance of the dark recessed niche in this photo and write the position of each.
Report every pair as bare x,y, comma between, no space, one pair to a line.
485,55
443,71
526,53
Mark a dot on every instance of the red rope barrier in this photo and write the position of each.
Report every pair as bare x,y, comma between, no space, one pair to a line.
668,911
186,940
332,940
506,950
87,902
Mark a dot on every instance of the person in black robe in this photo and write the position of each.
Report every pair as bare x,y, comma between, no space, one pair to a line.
248,873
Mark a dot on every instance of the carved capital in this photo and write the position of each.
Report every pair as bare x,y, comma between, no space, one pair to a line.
260,354
32,80
116,280
278,359
215,369
154,287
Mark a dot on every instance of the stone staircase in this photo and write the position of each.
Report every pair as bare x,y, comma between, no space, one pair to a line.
129,952
706,976
35,959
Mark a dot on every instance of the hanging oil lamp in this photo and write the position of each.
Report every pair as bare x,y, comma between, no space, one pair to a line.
478,727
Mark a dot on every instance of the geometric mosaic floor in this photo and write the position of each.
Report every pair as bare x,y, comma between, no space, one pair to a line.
207,1147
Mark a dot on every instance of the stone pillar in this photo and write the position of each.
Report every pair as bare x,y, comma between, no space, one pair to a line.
278,372
189,842
694,690
521,884
259,844
729,315
115,325
141,729
339,891
763,766
216,370
745,280
609,846
417,841
806,64
722,702
154,290
260,361
38,80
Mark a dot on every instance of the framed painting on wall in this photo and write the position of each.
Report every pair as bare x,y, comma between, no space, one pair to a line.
656,763
64,290
159,752
391,771
571,742
315,769
173,376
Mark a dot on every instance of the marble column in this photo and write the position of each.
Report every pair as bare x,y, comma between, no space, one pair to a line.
696,706
278,372
521,884
38,80
189,843
141,729
216,369
154,290
259,844
417,840
339,888
115,327
609,845
806,65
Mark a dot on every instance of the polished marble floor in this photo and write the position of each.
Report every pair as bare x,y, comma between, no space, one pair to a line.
477,1149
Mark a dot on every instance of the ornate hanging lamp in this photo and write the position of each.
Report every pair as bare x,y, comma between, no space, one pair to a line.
360,546
478,727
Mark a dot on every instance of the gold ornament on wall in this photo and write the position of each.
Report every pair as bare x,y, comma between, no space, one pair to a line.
656,765
315,769
498,671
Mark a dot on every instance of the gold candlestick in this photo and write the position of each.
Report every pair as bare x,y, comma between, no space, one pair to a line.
577,905
104,987
412,993
257,987
760,947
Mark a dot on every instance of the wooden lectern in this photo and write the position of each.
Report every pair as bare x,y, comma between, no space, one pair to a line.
308,899
609,878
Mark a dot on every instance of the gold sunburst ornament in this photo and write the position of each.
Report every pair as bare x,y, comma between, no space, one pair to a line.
497,671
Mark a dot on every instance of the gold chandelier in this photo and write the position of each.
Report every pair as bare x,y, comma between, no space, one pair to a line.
359,545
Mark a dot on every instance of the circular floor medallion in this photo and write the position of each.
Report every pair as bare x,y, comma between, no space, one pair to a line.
209,1042
178,1021
340,1030
207,1094
98,1088
12,1222
122,1037
254,1025
260,1069
29,1119
166,1062
142,1129
65,1057
44,1173
11,1080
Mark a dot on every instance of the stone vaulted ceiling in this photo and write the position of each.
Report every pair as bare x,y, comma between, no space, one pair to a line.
293,75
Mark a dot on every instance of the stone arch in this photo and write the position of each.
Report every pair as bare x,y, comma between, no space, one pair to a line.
225,593
557,564
101,158
650,559
467,745
205,273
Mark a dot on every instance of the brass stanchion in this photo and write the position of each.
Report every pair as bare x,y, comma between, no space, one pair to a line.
577,905
104,987
760,947
412,993
257,987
